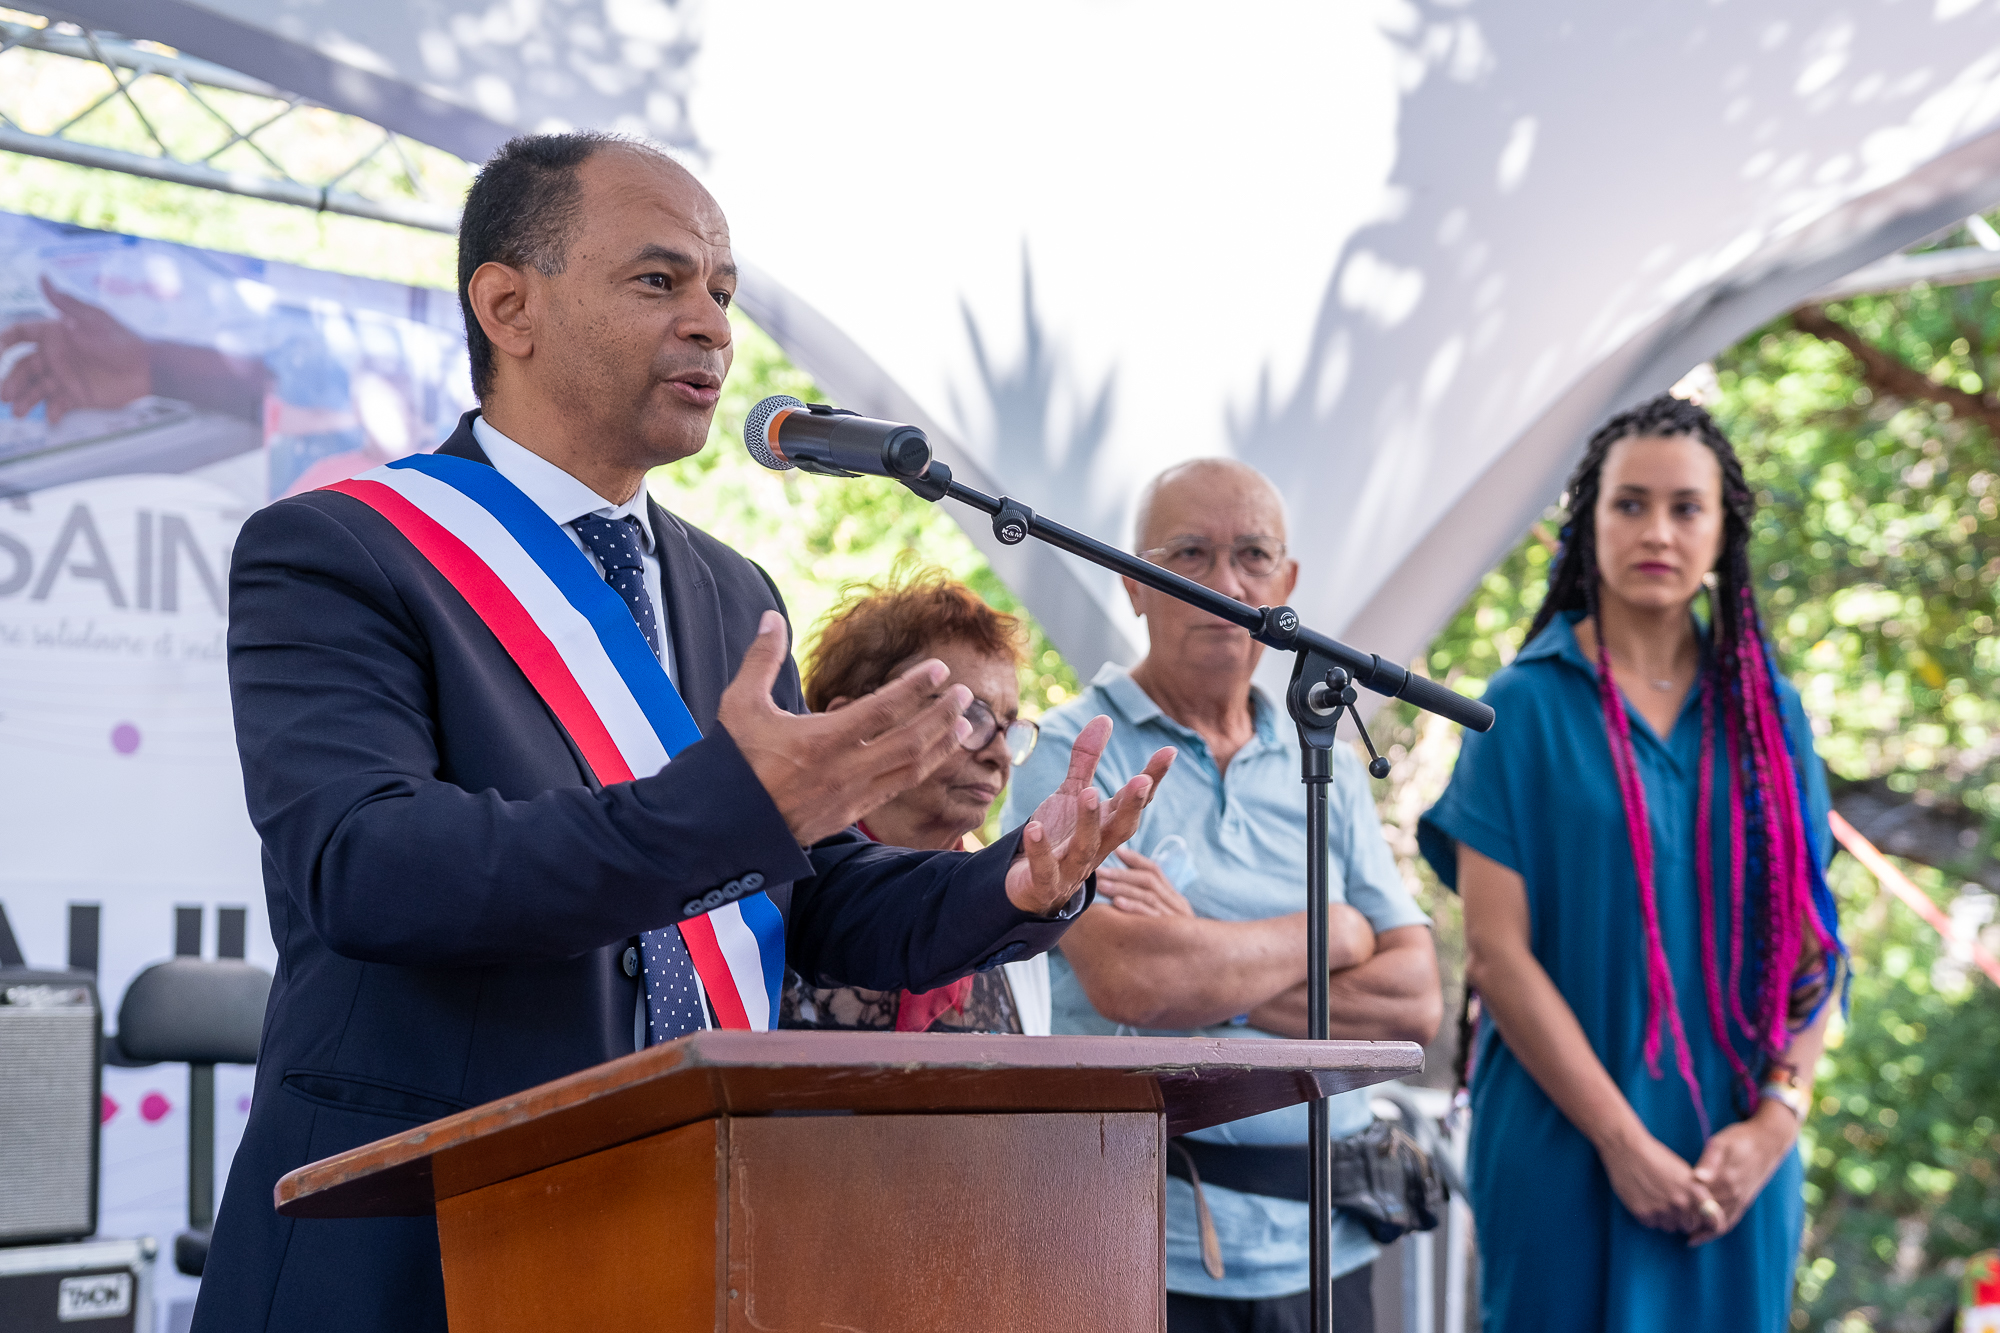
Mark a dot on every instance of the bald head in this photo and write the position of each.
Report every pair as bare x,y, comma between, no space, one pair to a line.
1192,497
1219,522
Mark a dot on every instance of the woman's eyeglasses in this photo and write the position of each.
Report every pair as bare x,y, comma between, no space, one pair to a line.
1021,733
1195,557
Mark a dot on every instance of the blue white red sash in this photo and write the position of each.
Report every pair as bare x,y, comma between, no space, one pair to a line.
576,641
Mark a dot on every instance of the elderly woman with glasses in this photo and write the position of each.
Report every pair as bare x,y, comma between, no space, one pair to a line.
876,634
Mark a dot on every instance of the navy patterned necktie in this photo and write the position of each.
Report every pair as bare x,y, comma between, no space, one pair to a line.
615,542
673,999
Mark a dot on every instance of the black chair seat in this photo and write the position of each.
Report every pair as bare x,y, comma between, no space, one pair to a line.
191,1252
194,1011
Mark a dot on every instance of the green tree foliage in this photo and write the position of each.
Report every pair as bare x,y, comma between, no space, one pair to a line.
1869,431
1879,535
1901,1152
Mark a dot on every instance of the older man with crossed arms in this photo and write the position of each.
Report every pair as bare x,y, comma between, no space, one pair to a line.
1206,934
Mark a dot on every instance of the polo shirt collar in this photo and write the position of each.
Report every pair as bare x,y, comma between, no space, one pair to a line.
555,492
1136,707
1133,704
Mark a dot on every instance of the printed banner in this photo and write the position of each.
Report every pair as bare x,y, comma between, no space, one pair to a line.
152,396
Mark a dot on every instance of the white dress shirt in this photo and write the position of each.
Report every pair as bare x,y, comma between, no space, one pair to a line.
1034,1000
565,499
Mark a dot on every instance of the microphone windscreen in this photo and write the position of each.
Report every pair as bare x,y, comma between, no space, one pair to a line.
757,430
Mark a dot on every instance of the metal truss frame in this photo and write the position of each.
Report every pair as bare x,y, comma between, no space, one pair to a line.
128,62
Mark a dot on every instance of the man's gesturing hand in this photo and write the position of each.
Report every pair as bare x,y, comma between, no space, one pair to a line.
1074,829
825,770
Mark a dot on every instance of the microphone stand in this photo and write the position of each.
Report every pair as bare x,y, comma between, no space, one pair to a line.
1324,674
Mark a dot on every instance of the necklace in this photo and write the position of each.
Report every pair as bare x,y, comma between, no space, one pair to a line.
1661,685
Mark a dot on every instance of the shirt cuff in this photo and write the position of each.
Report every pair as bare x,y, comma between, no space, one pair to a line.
1019,935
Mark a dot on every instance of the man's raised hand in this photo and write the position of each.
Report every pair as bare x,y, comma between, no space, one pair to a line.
825,770
1074,829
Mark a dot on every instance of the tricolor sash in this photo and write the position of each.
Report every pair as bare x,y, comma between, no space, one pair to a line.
576,641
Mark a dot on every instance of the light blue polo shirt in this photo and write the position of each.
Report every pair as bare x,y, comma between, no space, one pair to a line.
1246,860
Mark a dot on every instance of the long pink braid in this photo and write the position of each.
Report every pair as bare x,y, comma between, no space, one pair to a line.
1704,876
1789,899
1780,927
1639,829
1739,924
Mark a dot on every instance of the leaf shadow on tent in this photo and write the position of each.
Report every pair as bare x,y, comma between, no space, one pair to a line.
1020,397
1538,266
629,68
1392,329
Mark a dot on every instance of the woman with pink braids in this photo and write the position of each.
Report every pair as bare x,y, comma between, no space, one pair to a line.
1639,846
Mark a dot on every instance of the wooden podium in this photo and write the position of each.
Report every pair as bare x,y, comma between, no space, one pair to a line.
780,1181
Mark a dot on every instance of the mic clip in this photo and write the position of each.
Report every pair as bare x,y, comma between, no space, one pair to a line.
825,469
934,485
821,469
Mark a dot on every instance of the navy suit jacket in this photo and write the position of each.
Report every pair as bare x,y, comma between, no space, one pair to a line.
452,891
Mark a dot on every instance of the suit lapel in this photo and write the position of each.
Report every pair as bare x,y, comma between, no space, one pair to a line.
694,619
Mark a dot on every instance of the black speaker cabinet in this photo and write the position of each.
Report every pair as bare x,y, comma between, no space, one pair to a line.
49,1105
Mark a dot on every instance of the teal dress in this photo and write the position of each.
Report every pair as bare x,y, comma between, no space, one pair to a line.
1558,1252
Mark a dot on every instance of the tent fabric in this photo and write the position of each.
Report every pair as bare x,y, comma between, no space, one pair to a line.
1402,256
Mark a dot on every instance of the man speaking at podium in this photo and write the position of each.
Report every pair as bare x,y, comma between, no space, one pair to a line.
517,816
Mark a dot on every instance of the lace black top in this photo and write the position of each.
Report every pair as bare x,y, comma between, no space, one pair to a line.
989,1007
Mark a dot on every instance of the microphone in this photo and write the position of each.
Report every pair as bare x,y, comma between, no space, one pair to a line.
781,432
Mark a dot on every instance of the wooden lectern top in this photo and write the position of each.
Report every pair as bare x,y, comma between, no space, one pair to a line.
1195,1081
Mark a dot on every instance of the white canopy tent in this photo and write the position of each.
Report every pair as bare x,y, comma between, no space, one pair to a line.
1401,256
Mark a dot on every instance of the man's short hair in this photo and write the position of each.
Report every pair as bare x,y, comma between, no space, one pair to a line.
879,625
520,212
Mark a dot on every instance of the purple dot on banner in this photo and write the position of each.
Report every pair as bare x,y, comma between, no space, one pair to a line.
125,738
243,1106
110,1108
154,1107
